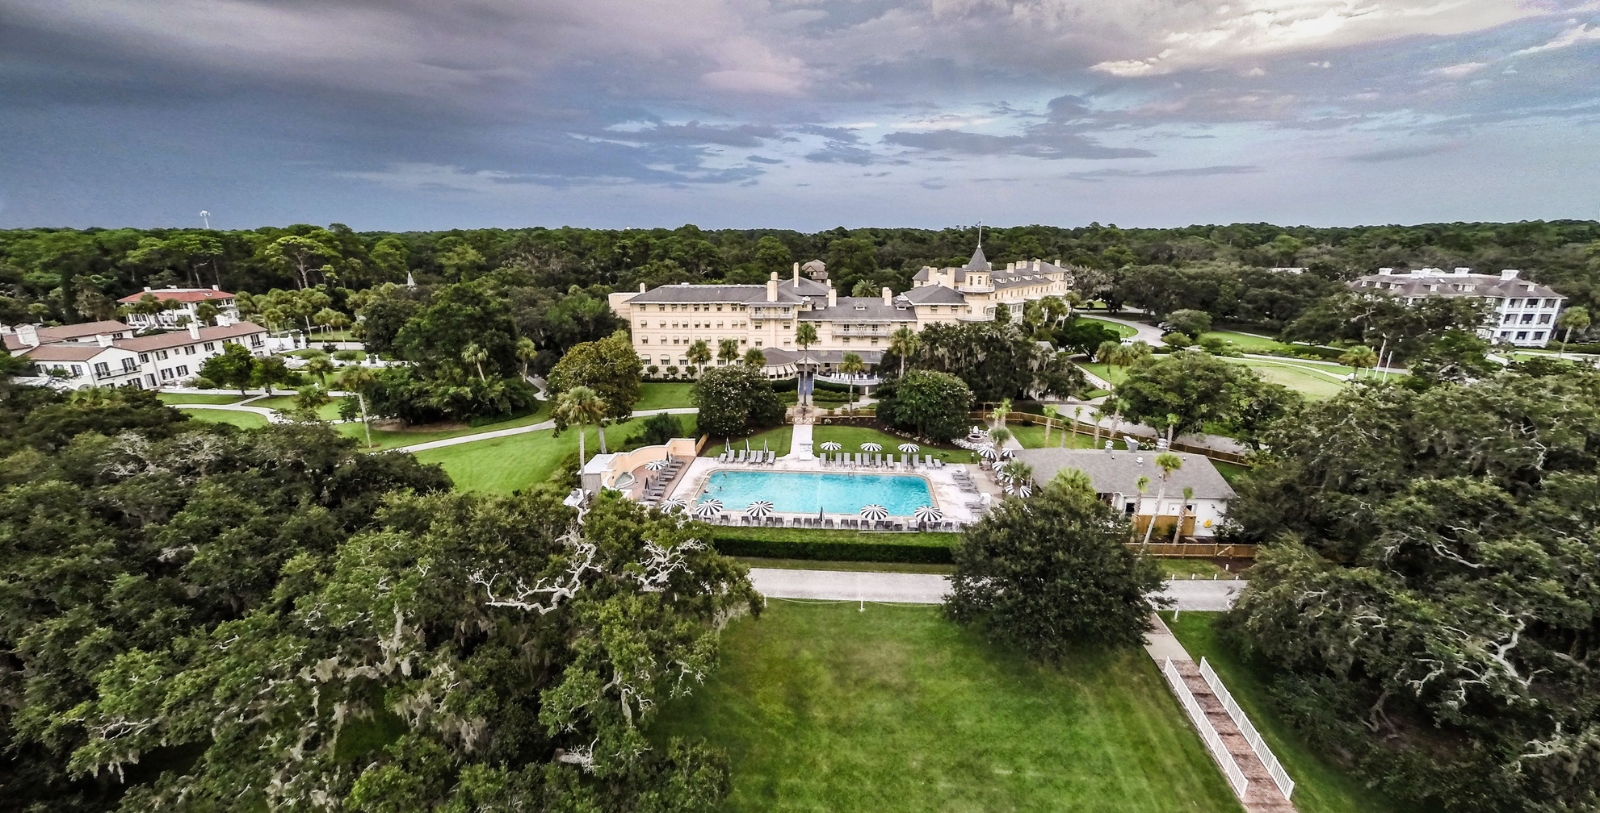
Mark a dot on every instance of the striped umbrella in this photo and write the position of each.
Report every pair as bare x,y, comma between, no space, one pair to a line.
910,448
928,513
657,465
673,504
1024,490
871,447
760,509
830,446
874,512
708,509
988,452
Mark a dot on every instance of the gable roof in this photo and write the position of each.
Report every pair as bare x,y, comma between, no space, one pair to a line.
179,338
933,295
64,333
66,351
1118,471
859,309
186,295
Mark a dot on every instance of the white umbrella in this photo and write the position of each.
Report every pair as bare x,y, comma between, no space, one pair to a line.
1024,490
657,465
708,509
910,448
759,509
871,447
988,452
928,513
672,505
1008,453
874,512
830,446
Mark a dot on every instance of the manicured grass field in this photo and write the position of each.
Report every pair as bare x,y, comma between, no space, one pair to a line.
853,567
1113,374
186,398
1123,331
821,707
1321,786
1230,471
284,403
1032,437
1247,343
391,439
663,396
850,437
504,465
1313,381
243,420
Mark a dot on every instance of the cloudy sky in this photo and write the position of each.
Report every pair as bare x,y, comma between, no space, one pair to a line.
806,114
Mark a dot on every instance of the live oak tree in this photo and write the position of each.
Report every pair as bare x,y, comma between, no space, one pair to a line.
734,401
1183,391
1050,573
609,367
996,361
1428,599
930,404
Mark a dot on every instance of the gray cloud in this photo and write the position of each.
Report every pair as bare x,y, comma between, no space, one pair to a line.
1399,153
1101,175
1033,145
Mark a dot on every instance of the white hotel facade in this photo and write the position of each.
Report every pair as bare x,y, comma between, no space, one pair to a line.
665,321
1524,313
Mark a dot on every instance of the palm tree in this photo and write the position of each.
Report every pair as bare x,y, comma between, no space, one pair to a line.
1143,485
1168,463
580,407
1109,352
1014,474
1573,318
698,354
527,351
755,358
206,311
475,355
1077,413
1097,414
999,435
320,367
1360,357
727,351
1001,410
904,343
1172,423
1188,494
1051,412
357,380
852,366
1136,352
805,335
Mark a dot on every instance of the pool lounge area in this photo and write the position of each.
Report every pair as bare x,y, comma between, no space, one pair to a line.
806,494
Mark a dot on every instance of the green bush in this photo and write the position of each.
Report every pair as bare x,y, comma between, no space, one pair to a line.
349,355
204,383
730,542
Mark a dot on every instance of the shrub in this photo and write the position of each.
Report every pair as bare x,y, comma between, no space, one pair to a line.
931,404
655,430
734,401
348,355
205,383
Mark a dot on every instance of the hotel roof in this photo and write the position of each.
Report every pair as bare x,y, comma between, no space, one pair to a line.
186,295
65,333
1118,471
179,338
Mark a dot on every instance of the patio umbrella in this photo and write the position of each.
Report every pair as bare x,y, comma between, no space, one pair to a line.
830,446
1024,490
928,513
657,465
673,504
1008,453
708,509
988,452
874,512
909,448
760,509
871,447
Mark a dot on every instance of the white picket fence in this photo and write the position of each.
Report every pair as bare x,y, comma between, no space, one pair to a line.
1279,775
1208,732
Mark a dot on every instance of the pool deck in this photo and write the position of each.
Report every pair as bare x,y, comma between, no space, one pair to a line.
957,505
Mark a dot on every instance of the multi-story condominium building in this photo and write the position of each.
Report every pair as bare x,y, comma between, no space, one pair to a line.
1524,313
111,356
187,310
667,320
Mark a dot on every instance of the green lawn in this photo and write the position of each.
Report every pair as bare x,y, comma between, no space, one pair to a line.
663,396
1113,374
1320,785
1184,568
1302,378
821,707
185,398
394,438
1032,437
504,465
1123,331
284,403
854,567
1246,343
243,420
1230,471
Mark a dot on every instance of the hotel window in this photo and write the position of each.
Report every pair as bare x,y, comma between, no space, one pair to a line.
183,369
644,339
188,350
660,308
144,357
1516,303
102,369
1538,335
129,365
161,355
1544,318
166,374
211,347
1522,335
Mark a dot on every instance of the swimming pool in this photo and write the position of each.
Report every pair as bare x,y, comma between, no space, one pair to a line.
807,492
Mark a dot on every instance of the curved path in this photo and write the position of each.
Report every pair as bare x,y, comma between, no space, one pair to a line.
922,588
1148,334
523,430
272,415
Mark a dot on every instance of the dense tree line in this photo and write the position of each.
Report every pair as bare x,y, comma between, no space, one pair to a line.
1426,595
75,275
198,618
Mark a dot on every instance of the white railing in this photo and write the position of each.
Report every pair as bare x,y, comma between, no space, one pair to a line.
1279,775
1208,732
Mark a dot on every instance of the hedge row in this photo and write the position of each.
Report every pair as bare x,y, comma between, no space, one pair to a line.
835,551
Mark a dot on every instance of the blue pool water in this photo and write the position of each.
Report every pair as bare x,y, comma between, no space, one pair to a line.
805,493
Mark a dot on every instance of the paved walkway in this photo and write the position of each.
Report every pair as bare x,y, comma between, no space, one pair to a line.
523,430
1149,334
923,588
